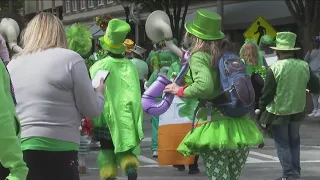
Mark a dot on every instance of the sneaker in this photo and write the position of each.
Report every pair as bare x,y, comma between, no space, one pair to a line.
317,114
286,178
155,154
194,171
313,113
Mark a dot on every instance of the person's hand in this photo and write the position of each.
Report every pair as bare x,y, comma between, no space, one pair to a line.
102,87
172,89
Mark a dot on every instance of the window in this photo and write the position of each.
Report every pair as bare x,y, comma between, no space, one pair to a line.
109,1
91,3
83,4
74,5
67,6
100,2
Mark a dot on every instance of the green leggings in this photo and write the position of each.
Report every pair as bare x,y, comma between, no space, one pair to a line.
155,125
225,164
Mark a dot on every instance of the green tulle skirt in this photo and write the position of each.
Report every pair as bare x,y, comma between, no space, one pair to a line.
221,134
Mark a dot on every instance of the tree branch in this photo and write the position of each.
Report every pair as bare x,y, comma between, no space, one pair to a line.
316,13
186,6
293,12
309,10
167,9
298,9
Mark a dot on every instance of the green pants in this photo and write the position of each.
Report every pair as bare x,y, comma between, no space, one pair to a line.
225,164
155,125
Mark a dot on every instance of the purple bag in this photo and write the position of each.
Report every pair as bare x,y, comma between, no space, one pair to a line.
236,86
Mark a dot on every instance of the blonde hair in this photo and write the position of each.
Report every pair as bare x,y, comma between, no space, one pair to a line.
215,48
43,32
249,53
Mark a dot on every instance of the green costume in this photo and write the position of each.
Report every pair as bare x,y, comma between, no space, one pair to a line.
223,142
119,128
10,152
159,61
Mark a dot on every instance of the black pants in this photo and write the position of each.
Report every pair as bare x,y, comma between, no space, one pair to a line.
49,165
141,86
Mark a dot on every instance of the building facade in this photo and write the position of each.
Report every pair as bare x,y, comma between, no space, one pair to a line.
32,7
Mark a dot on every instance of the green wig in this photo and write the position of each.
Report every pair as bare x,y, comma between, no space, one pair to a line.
266,39
79,39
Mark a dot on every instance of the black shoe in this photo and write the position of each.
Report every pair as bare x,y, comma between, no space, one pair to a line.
194,171
286,178
133,176
179,167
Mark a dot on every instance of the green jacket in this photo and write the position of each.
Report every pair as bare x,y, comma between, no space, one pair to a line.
10,148
122,113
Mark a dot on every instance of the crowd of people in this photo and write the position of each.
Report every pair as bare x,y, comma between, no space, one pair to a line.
49,105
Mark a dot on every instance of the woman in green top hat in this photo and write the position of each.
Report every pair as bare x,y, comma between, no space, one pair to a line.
283,102
222,142
119,128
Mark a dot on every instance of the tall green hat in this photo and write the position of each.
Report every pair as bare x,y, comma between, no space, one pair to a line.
115,35
266,39
79,39
285,41
206,25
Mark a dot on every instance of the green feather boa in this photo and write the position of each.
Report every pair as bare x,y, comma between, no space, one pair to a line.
79,39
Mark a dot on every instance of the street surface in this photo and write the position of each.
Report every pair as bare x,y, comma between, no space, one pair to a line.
262,164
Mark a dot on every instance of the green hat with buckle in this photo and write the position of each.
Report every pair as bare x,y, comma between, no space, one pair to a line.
206,25
113,40
285,41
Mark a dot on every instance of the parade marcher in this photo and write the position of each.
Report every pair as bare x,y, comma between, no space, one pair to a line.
269,55
222,141
313,58
255,66
12,166
53,91
79,39
283,102
119,128
160,62
140,64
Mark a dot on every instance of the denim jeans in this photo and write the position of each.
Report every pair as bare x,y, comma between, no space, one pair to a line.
287,141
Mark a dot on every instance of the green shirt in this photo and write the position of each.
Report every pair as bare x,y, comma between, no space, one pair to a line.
47,144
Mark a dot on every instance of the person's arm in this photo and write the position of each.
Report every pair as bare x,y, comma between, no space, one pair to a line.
313,84
10,150
4,53
89,103
269,91
202,85
307,58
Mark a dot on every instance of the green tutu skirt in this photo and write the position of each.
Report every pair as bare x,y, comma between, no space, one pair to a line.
221,134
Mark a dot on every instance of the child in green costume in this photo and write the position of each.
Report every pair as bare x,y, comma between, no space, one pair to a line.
119,128
223,142
10,152
79,39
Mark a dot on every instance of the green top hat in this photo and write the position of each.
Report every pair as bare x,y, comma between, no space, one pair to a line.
115,35
285,41
206,25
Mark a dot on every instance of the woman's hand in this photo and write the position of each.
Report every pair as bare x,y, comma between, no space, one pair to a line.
172,89
102,87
